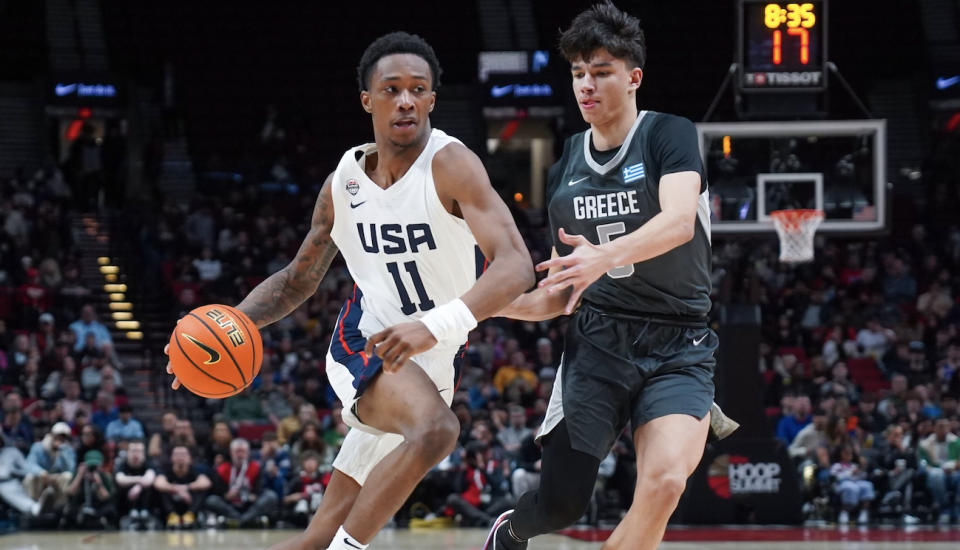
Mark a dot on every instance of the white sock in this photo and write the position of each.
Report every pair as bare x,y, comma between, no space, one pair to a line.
343,541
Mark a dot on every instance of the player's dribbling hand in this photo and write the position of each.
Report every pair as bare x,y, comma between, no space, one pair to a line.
166,351
397,344
581,268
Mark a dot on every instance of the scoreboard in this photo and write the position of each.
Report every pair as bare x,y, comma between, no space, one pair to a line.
782,47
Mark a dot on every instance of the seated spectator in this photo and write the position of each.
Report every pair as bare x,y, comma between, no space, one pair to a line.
239,497
337,429
160,441
306,415
290,424
125,427
218,450
516,379
809,439
88,324
72,401
875,339
105,411
948,366
894,403
311,441
274,403
790,426
13,469
936,301
274,462
52,463
479,493
512,435
899,286
941,451
839,386
91,439
181,488
243,408
868,418
852,486
526,476
16,426
305,490
894,467
135,478
208,267
91,494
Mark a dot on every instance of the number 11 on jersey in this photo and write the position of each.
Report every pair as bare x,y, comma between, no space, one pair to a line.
408,307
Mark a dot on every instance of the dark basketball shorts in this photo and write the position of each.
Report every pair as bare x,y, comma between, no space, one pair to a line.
619,368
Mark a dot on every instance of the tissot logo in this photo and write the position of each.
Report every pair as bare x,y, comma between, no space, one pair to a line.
85,90
783,79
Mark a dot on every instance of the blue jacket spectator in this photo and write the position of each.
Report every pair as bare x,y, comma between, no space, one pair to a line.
790,426
88,324
125,427
54,454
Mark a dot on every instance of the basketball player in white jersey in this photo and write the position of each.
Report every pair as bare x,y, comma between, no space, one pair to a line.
408,213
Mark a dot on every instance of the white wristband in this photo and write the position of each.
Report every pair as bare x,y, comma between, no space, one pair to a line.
450,323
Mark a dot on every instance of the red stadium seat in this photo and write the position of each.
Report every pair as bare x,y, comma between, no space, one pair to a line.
254,432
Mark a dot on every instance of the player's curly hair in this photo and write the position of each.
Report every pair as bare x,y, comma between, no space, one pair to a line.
604,26
397,43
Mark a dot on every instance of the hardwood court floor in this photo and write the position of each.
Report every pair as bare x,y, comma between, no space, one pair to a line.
470,539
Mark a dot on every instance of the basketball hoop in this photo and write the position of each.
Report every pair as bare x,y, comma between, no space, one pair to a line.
796,229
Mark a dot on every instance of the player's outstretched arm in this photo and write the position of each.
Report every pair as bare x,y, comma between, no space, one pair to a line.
285,290
538,305
461,177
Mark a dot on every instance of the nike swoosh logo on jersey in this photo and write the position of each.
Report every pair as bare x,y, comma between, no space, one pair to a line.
358,204
214,354
697,342
578,181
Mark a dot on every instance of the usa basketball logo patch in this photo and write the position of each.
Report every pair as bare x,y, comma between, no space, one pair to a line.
353,186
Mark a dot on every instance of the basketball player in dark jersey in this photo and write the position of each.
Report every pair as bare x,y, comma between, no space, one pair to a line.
628,208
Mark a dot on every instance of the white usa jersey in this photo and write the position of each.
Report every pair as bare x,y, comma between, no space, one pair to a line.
406,253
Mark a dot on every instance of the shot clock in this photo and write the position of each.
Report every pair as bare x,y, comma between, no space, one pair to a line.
783,46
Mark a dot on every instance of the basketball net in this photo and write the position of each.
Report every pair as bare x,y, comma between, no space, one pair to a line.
796,229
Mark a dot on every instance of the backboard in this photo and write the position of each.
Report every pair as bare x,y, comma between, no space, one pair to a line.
755,168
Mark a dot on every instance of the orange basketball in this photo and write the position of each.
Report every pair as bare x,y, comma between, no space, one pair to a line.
215,351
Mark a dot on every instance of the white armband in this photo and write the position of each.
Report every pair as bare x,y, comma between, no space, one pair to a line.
450,323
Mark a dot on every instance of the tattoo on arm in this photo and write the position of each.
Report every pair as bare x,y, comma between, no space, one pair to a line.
285,290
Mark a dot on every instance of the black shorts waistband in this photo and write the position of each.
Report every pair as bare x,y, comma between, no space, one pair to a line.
658,318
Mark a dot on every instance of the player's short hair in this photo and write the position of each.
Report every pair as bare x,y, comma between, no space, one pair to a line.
393,44
605,26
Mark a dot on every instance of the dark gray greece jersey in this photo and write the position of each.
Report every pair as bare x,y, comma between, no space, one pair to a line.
603,201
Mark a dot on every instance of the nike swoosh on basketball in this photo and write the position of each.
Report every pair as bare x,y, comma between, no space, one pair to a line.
578,181
697,342
348,543
358,204
214,354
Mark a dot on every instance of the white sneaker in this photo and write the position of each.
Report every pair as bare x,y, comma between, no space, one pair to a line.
302,507
910,520
843,518
720,424
863,518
